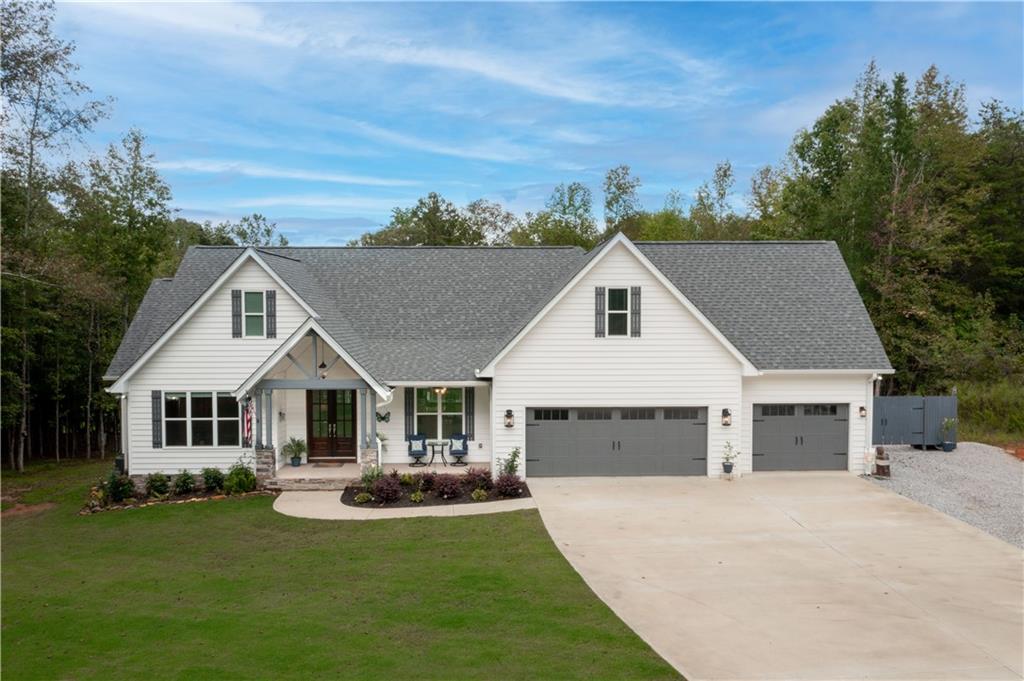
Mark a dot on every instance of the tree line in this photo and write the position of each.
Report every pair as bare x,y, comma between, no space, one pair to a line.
926,204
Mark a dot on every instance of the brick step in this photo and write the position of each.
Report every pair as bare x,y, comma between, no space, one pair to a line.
307,484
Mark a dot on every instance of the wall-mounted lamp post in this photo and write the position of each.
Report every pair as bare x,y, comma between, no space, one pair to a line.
509,420
863,412
726,417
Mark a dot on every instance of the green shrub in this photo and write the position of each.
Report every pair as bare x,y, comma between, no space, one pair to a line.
364,497
371,475
184,483
117,488
510,466
406,480
157,485
239,480
479,495
991,412
416,497
213,479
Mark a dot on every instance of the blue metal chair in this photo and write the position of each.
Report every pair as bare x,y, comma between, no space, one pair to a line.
418,449
459,448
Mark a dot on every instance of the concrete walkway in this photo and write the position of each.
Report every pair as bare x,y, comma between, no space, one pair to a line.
793,576
328,506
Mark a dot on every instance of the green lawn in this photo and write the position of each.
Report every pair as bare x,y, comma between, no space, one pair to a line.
231,589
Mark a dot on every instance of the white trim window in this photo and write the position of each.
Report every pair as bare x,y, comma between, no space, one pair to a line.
440,414
201,419
617,312
254,314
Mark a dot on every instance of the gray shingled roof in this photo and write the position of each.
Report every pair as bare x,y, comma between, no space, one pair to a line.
432,313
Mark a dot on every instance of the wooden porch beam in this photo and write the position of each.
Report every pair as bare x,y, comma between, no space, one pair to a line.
299,366
311,384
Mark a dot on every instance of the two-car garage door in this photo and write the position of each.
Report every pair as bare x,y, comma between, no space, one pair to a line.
617,441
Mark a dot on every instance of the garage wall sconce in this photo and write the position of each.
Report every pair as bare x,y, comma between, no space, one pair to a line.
726,417
863,412
509,420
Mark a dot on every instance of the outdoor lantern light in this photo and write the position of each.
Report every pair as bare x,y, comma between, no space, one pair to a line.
509,421
863,412
323,370
726,417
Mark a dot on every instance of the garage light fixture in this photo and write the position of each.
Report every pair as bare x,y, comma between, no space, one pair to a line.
863,412
509,420
726,417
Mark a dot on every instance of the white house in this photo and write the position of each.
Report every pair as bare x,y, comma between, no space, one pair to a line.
630,359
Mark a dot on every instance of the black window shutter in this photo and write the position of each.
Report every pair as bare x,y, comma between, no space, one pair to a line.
469,401
158,425
599,312
236,313
410,412
634,312
271,314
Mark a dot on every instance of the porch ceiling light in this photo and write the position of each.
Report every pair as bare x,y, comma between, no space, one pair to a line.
509,419
440,390
726,417
323,370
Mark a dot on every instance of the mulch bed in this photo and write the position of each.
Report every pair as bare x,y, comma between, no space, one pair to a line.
95,507
348,497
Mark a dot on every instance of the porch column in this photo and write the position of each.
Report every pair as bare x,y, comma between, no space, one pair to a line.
258,418
362,410
270,419
373,419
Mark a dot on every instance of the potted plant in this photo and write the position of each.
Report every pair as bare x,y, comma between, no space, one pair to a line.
728,456
294,449
948,426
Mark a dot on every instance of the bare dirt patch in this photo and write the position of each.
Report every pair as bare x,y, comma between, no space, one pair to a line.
27,509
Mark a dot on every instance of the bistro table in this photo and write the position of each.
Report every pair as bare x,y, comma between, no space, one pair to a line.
434,444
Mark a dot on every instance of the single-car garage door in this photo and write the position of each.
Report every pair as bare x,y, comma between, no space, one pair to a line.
800,437
617,441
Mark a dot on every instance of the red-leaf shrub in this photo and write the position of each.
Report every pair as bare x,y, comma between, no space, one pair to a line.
477,478
447,486
387,489
508,485
424,481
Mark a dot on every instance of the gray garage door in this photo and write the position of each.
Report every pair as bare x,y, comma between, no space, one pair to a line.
617,441
800,437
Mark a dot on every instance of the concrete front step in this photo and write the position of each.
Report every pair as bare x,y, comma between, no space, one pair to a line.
307,484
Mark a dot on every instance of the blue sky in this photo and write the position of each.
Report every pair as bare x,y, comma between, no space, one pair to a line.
325,116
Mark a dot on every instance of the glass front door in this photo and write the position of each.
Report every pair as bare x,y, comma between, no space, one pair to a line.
331,424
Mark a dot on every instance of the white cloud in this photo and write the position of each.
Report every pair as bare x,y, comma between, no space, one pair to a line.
199,165
342,203
488,150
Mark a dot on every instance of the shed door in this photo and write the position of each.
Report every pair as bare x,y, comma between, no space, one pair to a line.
801,437
616,441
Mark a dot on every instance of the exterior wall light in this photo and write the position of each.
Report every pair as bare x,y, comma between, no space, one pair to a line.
863,412
509,420
726,417
440,391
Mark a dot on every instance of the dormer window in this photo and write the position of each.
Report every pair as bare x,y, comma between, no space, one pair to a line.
618,312
255,314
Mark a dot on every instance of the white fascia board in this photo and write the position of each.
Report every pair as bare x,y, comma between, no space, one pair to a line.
748,368
432,384
824,372
120,384
293,340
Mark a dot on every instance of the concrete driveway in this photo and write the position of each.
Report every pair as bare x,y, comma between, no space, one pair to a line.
793,576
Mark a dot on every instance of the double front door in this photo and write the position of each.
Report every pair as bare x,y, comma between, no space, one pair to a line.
331,424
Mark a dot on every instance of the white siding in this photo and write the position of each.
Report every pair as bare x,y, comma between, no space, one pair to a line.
202,355
397,450
676,361
854,390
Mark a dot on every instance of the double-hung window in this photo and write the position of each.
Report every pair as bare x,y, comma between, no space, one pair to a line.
254,313
618,311
201,419
439,415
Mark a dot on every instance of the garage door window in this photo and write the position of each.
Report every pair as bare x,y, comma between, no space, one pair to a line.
638,414
593,414
778,410
682,414
551,414
819,410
